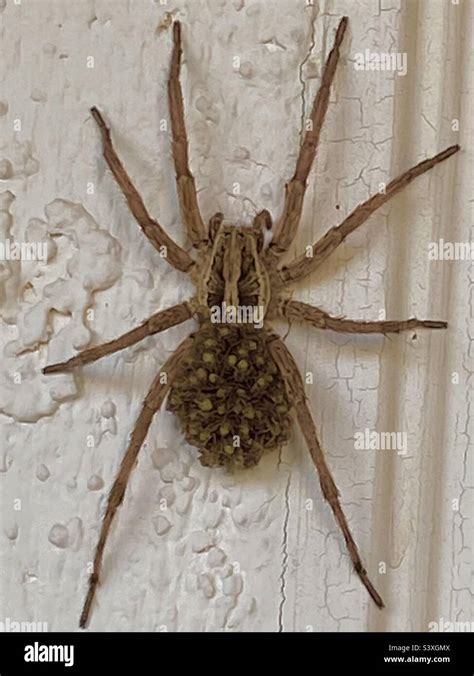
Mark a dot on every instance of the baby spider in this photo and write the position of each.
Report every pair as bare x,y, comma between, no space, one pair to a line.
233,384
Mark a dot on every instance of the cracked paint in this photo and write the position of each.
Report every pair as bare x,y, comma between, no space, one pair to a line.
284,549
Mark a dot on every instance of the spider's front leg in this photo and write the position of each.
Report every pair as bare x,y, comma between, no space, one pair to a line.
295,387
287,226
151,405
304,265
175,255
295,310
192,218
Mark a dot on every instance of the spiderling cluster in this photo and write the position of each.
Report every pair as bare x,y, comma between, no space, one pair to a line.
230,397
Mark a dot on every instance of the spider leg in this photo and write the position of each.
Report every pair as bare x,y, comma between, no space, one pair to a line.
174,254
158,322
304,265
151,405
294,193
291,374
192,218
298,311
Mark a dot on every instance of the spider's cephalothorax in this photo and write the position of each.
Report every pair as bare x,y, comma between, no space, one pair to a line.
232,273
230,397
233,381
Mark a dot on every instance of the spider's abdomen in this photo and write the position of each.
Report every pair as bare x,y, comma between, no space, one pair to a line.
230,396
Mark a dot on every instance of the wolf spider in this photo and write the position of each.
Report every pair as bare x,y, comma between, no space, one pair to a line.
234,382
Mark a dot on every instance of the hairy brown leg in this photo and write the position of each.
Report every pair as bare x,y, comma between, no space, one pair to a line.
295,310
294,193
151,405
158,322
305,265
294,383
174,254
197,231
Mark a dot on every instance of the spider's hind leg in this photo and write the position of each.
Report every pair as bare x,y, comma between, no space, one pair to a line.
295,387
151,405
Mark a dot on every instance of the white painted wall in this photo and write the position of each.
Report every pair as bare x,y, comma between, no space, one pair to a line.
242,552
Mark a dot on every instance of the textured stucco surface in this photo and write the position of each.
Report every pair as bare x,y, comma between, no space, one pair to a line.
194,549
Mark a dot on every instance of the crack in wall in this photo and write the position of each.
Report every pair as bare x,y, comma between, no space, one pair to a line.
284,548
300,71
